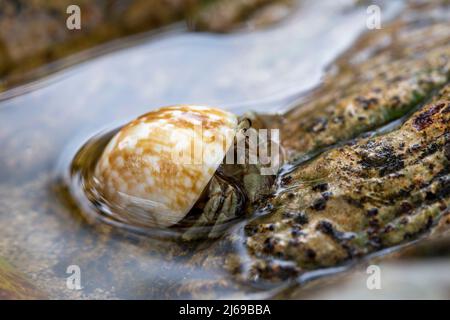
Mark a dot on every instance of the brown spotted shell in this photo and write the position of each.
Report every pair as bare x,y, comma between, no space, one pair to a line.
157,166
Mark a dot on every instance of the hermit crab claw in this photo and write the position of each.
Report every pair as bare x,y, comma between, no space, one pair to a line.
156,167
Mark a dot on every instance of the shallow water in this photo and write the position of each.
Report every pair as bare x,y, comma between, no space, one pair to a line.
42,125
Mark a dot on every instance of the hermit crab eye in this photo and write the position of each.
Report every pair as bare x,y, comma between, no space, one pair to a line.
156,167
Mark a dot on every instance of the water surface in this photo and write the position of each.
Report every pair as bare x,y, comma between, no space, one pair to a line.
43,124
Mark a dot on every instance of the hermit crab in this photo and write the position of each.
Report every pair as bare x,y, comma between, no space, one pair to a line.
192,167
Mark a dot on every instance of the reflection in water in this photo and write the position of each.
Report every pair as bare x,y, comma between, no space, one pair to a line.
263,71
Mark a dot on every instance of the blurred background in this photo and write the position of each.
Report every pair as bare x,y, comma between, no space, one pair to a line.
59,87
32,33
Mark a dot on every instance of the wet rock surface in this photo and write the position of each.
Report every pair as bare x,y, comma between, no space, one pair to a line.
356,199
357,195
